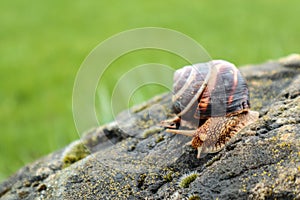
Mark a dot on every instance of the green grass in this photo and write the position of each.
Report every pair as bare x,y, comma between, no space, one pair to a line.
43,43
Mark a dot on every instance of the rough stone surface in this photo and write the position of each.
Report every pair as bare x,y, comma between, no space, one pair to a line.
136,159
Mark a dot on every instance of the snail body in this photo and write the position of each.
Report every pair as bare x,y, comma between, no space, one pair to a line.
212,98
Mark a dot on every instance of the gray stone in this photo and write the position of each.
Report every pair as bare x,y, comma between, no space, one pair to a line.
134,158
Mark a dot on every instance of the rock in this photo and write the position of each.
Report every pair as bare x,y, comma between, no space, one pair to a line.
134,158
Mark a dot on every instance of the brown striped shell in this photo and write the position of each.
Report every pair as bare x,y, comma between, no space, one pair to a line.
213,99
226,91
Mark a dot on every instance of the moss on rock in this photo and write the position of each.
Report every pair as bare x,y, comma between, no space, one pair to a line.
74,152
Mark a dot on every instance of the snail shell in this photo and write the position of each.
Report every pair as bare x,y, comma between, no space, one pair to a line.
226,91
214,98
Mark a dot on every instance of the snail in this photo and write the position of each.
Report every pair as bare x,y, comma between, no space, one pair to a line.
213,99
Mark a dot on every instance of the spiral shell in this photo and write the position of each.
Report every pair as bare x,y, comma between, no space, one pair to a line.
204,90
213,99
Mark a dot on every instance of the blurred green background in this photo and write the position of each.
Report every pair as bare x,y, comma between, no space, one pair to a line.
43,43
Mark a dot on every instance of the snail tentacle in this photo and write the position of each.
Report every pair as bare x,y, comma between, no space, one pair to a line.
188,143
199,149
189,133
